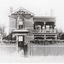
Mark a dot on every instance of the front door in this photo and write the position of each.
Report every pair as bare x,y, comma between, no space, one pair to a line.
21,41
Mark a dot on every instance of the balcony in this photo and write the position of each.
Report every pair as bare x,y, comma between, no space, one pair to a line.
45,31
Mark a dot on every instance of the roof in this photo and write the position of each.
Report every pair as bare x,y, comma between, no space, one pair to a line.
22,31
44,17
21,10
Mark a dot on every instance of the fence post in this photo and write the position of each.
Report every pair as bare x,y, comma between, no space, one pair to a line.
28,49
16,42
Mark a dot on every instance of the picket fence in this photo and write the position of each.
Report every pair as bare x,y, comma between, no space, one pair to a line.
44,50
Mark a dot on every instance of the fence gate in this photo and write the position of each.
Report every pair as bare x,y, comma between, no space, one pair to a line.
39,50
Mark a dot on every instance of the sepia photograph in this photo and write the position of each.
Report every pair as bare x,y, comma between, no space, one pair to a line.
31,31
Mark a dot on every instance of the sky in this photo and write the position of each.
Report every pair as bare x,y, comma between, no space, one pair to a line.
38,7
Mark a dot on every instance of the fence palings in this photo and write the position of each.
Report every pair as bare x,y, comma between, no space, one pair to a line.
46,50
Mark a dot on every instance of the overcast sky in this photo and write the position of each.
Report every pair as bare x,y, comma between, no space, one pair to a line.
38,7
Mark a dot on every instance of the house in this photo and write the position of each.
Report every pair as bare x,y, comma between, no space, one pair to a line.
26,26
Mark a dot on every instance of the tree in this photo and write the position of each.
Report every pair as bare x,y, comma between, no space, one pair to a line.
59,33
2,31
62,37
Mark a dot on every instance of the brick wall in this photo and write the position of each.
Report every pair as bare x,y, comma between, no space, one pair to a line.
28,23
12,24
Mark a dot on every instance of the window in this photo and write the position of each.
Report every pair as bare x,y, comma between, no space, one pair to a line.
47,27
20,38
43,27
20,24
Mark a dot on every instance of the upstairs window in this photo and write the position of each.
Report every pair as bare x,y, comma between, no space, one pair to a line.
47,27
20,24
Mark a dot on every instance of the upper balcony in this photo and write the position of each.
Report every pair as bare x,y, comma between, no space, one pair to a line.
44,27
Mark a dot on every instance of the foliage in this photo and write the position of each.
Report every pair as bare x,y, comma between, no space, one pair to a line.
2,31
59,33
62,36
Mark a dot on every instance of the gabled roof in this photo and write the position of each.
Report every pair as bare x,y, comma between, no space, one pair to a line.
21,10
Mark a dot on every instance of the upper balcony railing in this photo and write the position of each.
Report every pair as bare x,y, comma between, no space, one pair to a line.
45,31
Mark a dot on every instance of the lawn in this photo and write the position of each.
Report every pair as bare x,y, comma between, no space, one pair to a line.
9,54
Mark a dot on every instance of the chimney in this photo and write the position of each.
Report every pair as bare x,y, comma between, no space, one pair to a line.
11,9
52,12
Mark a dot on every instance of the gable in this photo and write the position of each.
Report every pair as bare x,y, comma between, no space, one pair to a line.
21,11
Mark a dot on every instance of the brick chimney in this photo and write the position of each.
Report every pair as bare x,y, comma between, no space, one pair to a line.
11,9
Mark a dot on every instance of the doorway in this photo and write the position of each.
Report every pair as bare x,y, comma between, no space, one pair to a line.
21,41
